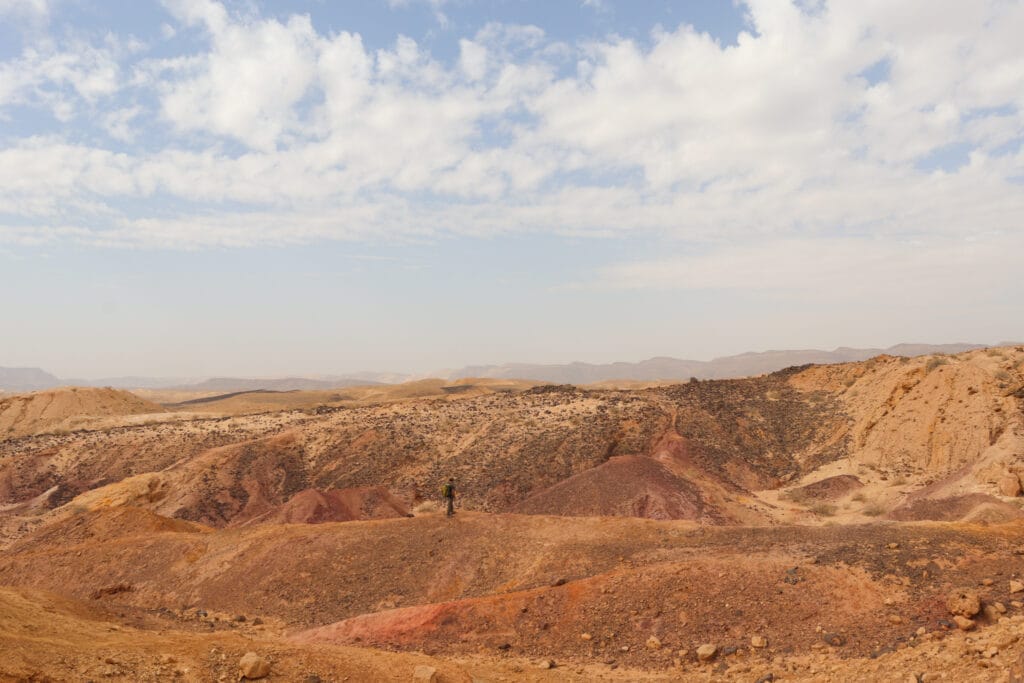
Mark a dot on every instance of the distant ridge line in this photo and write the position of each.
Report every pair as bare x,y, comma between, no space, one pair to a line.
661,368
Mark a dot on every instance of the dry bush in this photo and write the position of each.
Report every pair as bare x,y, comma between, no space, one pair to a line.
427,507
874,510
858,497
935,362
823,509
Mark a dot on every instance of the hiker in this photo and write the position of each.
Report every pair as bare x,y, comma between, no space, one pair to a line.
448,493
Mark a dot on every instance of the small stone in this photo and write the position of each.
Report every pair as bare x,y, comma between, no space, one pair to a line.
963,623
240,618
895,619
424,674
653,643
1000,607
252,666
758,641
964,602
585,636
1016,604
167,659
706,652
893,546
921,631
547,664
833,639
987,582
990,612
1016,586
991,652
624,648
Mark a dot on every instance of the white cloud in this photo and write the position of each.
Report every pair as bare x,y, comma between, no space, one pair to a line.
844,267
774,141
28,8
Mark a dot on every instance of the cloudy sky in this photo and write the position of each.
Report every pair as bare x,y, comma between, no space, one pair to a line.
261,187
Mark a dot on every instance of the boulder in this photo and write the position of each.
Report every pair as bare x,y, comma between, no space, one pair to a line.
963,623
251,666
707,652
964,602
424,674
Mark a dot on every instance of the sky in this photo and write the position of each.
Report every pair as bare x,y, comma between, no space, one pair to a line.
277,187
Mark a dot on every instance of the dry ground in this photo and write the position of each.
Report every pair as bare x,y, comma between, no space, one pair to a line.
607,531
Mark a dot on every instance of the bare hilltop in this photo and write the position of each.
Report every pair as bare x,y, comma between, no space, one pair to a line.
851,521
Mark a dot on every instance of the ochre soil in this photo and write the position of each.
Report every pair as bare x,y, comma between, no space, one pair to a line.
604,534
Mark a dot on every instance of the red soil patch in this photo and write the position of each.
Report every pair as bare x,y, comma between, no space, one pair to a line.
827,489
625,486
956,508
335,505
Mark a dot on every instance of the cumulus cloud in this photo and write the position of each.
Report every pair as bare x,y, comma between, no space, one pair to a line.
869,128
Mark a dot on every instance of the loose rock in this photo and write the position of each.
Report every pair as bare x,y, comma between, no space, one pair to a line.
424,674
963,623
1016,586
758,641
707,652
964,602
251,666
833,639
653,643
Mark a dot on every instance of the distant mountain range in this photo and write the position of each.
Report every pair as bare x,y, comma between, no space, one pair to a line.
742,365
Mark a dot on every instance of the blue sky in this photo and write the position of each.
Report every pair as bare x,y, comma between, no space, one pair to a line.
193,187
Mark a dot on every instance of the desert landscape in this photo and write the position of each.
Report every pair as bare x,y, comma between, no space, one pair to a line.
855,521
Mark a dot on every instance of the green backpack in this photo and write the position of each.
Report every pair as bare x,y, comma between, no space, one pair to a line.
447,491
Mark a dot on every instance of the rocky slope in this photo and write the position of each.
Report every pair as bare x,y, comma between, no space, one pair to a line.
808,523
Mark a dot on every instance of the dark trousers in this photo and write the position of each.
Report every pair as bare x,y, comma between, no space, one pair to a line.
450,502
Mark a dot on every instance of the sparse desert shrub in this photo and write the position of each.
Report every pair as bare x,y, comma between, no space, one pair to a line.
1002,375
874,510
935,362
858,497
898,481
426,507
849,383
823,509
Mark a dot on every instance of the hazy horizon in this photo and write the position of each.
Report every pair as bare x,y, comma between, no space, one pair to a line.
193,188
441,370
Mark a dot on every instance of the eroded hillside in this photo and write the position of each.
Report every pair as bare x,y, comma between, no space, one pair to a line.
610,531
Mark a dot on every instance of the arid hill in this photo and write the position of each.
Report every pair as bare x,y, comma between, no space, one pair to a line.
67,409
810,524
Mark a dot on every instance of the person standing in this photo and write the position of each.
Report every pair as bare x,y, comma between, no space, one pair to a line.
448,493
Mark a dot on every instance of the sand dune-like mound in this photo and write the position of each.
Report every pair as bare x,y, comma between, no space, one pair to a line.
826,489
67,409
625,486
974,507
313,506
